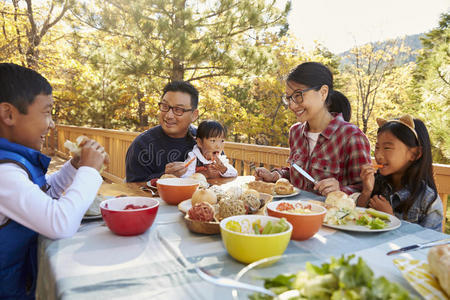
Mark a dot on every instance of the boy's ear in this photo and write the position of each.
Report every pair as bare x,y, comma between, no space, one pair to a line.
8,113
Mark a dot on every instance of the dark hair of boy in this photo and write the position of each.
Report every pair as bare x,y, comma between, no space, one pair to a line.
185,87
20,86
315,75
210,129
420,172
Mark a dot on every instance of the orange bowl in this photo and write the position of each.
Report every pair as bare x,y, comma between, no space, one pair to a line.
128,222
304,225
175,190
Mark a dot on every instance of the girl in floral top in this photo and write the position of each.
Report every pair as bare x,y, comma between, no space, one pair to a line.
404,184
330,149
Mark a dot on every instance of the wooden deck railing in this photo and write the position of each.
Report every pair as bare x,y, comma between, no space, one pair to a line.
244,156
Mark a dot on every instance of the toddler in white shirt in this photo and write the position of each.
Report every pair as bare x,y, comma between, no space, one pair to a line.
207,156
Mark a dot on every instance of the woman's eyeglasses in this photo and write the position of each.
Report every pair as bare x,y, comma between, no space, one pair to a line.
297,96
178,111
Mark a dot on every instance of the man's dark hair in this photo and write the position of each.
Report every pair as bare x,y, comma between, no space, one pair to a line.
185,87
20,86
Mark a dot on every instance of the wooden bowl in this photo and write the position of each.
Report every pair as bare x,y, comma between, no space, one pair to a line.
202,227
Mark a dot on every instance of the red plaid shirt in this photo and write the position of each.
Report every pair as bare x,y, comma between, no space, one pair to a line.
340,151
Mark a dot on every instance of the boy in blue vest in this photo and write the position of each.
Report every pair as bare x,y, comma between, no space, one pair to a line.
27,205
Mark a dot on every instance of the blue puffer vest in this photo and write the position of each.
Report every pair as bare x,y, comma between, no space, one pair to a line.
18,244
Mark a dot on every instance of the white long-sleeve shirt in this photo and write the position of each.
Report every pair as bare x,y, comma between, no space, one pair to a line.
230,172
24,202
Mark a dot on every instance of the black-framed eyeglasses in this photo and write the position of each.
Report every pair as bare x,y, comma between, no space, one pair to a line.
178,111
294,97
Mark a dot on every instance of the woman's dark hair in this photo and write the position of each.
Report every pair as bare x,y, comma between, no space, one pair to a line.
209,129
420,172
314,74
20,86
185,87
340,104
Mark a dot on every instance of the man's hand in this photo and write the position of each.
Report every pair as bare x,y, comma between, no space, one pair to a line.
326,186
380,203
176,168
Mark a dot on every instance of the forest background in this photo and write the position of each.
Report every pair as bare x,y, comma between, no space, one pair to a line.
109,60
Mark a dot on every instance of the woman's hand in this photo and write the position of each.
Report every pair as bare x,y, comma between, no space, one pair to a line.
92,155
265,175
380,203
326,186
368,178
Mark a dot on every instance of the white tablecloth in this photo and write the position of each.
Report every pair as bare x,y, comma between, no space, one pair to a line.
97,264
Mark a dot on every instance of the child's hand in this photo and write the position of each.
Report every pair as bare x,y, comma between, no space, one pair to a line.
380,203
92,155
265,175
218,164
177,168
211,172
368,178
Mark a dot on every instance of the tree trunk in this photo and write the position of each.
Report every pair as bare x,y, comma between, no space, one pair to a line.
143,117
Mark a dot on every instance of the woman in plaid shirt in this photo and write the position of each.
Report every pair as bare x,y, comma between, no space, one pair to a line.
330,149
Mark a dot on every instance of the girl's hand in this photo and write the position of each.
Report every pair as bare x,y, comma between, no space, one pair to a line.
368,178
380,203
92,155
326,186
265,175
211,172
218,164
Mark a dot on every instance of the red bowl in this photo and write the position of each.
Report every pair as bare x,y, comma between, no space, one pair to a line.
304,225
175,190
131,221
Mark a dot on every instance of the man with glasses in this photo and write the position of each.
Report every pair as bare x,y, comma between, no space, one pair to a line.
163,148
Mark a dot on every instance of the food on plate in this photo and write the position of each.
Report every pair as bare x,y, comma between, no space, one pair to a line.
132,206
341,211
296,208
283,187
262,187
439,262
94,208
167,176
231,208
251,200
203,212
339,279
202,195
201,178
247,227
153,182
219,191
234,192
340,199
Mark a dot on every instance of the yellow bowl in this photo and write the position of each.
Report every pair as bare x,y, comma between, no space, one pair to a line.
248,248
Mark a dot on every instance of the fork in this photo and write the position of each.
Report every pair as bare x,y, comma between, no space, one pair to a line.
228,282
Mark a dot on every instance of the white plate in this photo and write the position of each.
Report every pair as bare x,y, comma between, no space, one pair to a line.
98,199
393,224
184,206
296,192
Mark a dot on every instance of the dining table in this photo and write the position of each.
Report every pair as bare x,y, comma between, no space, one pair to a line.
97,264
